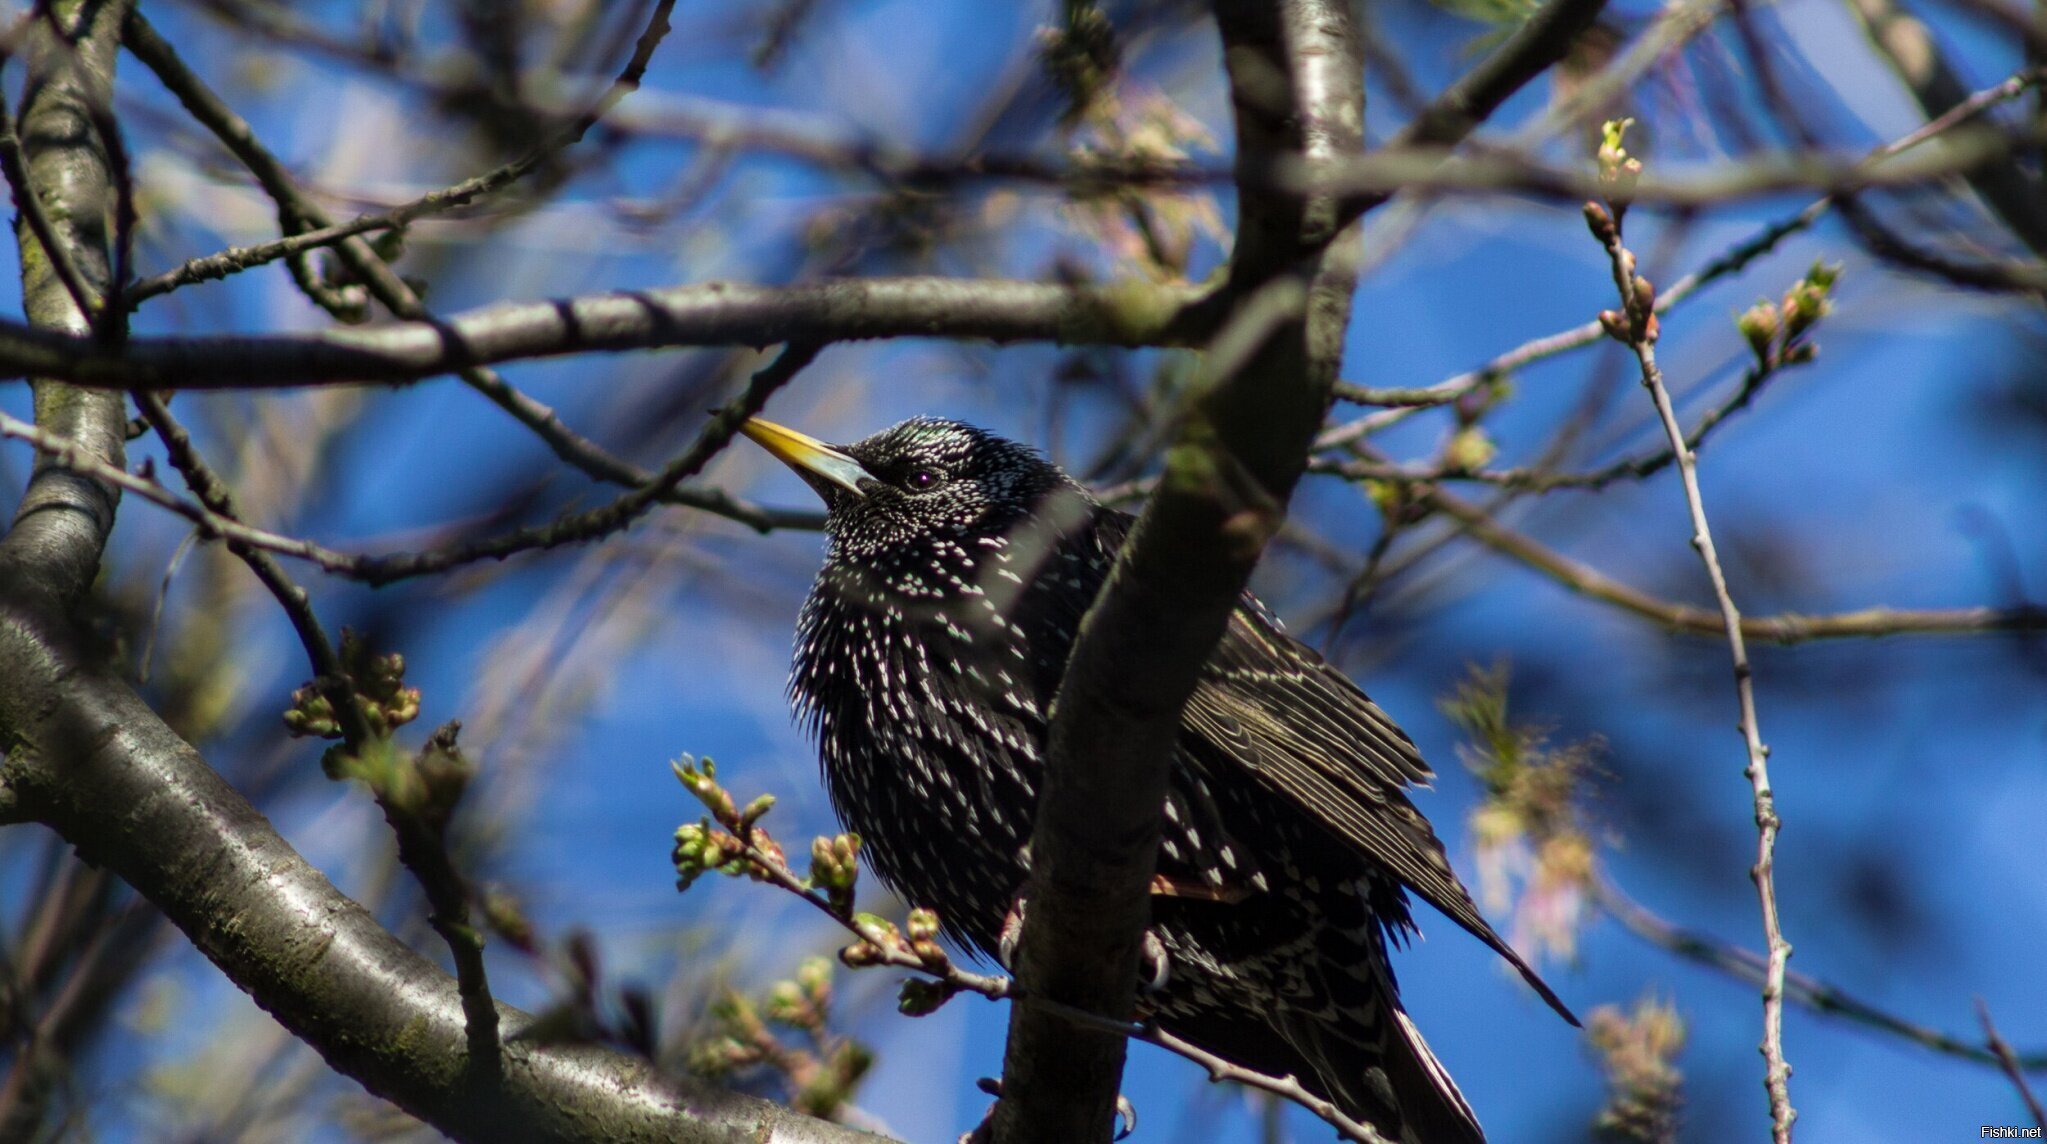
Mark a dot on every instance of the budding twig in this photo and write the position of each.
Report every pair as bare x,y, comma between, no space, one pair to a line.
1635,325
731,841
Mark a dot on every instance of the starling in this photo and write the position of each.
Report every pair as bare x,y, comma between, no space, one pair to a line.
927,658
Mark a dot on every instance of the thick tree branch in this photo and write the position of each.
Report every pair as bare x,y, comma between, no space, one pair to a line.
1296,75
313,958
1132,314
53,546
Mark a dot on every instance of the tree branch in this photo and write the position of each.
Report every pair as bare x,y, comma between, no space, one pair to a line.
1785,628
2009,1062
1734,259
1911,51
1296,75
1538,43
80,742
53,546
1811,992
1126,314
316,960
1635,326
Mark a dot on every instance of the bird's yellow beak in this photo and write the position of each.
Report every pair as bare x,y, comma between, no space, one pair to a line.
823,467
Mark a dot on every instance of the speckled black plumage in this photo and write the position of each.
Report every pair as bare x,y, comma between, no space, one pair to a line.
927,658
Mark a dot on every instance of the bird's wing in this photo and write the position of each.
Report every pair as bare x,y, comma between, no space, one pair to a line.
1303,730
1276,710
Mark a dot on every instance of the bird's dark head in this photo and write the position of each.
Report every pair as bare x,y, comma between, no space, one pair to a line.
924,481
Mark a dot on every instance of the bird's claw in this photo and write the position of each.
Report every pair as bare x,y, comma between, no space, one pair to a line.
1012,933
1153,964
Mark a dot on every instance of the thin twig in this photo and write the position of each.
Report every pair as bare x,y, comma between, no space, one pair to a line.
1286,1087
422,848
1783,628
1540,479
1635,325
618,513
448,198
67,454
236,259
1811,992
395,293
2009,1061
764,862
1734,259
163,592
380,569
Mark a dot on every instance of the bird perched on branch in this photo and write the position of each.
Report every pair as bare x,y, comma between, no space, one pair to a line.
927,659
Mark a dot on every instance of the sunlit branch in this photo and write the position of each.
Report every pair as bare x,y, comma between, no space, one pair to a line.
716,313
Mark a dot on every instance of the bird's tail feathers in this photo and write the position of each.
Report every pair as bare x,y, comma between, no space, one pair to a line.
1432,1109
1389,1078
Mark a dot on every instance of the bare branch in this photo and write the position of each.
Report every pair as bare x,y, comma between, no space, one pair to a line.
755,854
1540,41
383,569
714,313
297,210
1811,992
1735,259
1911,51
2009,1061
317,961
1437,171
1787,628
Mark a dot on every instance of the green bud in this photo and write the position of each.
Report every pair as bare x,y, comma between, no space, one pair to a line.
1469,450
861,954
786,1003
879,930
1618,170
931,955
815,978
921,998
1759,325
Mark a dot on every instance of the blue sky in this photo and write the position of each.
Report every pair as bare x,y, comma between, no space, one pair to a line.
1910,771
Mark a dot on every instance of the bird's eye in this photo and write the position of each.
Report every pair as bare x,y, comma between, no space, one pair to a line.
920,479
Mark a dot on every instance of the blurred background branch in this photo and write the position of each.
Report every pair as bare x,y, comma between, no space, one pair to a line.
911,183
